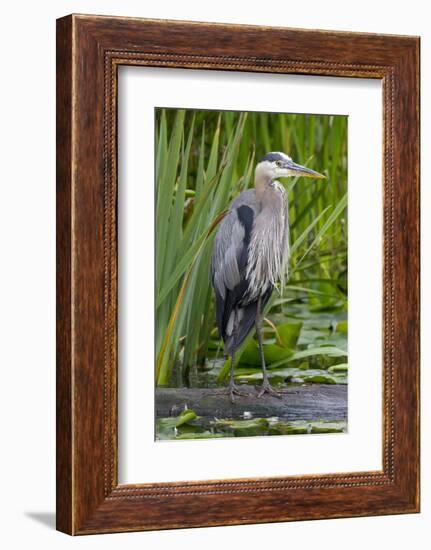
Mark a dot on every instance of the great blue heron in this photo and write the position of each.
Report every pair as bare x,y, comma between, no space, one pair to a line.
250,252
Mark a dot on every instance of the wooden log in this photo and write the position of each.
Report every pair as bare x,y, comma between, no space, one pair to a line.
312,402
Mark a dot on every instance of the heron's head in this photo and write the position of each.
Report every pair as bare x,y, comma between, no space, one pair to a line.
279,165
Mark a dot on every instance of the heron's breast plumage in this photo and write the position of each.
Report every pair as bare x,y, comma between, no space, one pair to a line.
268,250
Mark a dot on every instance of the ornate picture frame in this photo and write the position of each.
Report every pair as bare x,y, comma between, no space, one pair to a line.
89,51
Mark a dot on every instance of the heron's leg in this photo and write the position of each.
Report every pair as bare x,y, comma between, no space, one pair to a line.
266,386
233,389
232,367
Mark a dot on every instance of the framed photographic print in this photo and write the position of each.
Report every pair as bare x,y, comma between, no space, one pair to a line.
237,274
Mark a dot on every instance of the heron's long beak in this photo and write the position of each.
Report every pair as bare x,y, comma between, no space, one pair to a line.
303,171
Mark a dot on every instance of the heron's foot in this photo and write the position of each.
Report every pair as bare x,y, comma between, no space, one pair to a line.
232,390
267,388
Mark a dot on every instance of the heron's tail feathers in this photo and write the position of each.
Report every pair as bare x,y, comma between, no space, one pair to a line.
236,320
241,322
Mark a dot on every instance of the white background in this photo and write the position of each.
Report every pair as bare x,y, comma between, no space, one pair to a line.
141,458
27,123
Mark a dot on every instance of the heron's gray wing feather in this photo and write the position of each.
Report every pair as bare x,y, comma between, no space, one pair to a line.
230,254
227,249
230,245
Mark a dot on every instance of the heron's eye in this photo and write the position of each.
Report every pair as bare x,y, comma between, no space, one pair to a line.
278,163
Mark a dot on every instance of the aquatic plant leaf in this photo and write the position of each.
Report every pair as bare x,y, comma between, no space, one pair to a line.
166,426
342,367
320,379
328,427
289,333
331,351
342,326
199,435
234,423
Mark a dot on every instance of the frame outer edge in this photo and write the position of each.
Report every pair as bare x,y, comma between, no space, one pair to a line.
64,368
81,506
407,270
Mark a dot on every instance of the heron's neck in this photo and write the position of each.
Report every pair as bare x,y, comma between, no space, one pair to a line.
262,184
271,194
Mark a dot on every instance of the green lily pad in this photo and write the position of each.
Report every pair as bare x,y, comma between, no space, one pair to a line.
340,368
289,428
175,421
320,379
289,334
166,427
342,327
250,355
200,435
234,423
272,352
293,374
328,427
